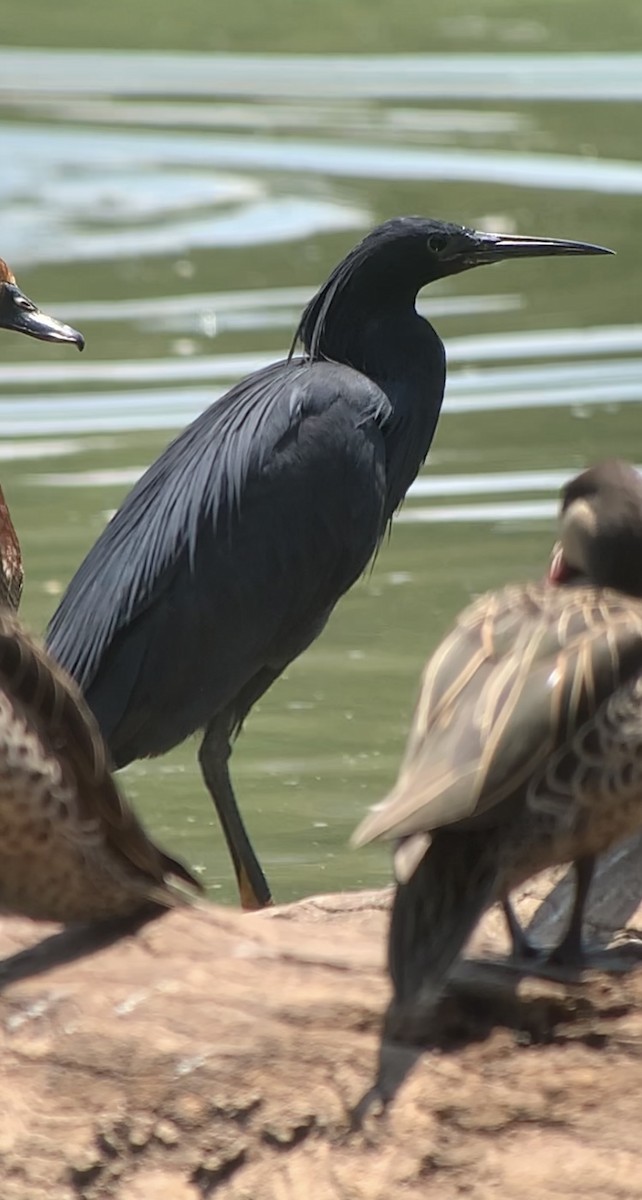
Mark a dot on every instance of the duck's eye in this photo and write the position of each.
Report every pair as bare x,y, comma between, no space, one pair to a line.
437,242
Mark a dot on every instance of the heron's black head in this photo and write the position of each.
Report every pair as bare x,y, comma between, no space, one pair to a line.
420,250
19,313
601,528
395,260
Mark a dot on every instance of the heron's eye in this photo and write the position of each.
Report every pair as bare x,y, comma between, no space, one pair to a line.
437,242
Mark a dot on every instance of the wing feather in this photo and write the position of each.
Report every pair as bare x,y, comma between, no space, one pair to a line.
197,487
540,664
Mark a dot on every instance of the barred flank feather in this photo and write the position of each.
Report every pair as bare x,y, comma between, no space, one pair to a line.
71,848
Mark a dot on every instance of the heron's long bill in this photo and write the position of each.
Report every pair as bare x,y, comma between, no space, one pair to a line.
483,248
19,313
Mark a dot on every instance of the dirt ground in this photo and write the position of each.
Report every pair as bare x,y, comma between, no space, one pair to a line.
213,1053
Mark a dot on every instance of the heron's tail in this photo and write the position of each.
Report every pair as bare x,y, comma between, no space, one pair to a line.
436,911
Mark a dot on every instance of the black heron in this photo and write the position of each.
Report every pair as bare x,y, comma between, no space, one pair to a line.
526,745
226,559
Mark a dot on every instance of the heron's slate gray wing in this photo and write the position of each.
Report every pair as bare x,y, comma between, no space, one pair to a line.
228,554
521,673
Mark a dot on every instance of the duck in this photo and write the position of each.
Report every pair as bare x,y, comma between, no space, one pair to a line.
71,847
525,748
19,314
11,565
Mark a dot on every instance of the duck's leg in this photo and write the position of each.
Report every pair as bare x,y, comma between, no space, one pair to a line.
522,948
570,951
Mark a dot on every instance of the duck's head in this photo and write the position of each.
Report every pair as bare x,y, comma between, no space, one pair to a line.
19,313
600,538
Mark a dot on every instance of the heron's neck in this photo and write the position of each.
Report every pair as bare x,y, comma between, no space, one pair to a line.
414,386
382,341
403,354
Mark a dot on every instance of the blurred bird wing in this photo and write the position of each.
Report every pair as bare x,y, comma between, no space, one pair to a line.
44,701
521,672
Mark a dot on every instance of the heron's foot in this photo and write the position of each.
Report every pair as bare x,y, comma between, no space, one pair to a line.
252,904
253,896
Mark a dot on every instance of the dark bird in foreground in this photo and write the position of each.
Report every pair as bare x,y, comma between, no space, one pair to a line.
225,561
71,849
20,315
526,744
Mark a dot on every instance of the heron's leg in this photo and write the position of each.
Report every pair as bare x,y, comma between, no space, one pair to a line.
522,947
570,951
213,756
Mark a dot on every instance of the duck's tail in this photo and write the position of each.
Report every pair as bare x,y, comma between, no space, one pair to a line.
435,912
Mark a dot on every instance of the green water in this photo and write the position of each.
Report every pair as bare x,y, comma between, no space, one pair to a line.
329,26
179,208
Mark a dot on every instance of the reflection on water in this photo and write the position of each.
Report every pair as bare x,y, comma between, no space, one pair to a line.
512,510
577,386
567,77
427,485
267,308
142,209
181,209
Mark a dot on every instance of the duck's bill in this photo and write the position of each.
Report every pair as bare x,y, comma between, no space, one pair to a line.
20,314
559,570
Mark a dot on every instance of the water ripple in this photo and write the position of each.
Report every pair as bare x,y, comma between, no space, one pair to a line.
426,486
501,347
35,149
508,510
394,76
261,308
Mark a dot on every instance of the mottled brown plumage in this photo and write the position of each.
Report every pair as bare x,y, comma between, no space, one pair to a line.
526,743
11,570
71,849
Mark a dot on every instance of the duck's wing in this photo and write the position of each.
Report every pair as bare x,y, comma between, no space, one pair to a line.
522,671
45,709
